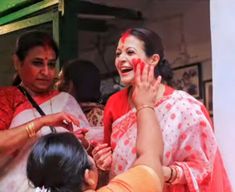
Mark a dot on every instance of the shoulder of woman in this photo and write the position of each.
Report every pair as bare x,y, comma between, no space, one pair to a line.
183,101
8,89
9,93
184,97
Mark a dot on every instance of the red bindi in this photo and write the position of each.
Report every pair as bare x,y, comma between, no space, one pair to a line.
47,52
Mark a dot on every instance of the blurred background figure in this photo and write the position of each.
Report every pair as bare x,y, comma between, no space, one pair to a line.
81,78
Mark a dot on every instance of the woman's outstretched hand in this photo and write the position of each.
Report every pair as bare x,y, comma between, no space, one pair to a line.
61,119
145,86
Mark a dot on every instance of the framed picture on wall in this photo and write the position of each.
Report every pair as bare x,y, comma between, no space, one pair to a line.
188,78
208,95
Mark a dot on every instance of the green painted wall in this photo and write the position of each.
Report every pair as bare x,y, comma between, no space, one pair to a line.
8,5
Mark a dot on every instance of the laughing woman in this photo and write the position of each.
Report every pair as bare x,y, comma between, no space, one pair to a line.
191,158
21,108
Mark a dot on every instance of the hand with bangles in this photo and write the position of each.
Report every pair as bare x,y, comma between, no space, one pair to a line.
29,130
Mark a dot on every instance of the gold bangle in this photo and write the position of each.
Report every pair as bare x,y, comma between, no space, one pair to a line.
30,130
144,107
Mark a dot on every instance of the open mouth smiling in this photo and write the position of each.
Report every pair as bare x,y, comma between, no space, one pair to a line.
126,70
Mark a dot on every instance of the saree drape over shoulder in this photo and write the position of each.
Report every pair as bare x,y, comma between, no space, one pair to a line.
189,141
15,110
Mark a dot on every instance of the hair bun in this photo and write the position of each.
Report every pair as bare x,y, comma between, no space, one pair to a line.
163,68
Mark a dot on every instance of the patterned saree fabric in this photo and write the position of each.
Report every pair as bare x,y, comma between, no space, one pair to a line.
189,140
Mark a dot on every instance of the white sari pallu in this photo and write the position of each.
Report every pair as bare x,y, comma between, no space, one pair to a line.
13,167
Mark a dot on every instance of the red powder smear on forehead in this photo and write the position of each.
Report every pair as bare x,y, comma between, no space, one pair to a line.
125,35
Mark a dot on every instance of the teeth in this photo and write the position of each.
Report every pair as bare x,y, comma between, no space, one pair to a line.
126,70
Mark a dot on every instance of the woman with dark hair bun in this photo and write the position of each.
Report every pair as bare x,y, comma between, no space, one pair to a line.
191,160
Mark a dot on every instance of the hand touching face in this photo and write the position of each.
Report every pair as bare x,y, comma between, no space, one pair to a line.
145,87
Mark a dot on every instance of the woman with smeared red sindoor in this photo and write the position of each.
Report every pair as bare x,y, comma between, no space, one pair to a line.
21,125
191,160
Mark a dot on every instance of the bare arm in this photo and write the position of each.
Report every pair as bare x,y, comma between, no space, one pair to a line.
12,139
149,136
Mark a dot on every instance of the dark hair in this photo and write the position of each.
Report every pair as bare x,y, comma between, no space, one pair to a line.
33,39
16,80
86,80
153,45
58,162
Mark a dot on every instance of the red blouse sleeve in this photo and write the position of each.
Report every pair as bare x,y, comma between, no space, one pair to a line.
6,108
